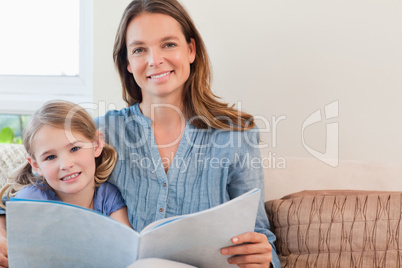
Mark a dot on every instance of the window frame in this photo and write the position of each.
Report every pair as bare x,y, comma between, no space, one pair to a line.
25,94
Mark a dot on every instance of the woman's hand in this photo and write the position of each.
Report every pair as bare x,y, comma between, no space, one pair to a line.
257,252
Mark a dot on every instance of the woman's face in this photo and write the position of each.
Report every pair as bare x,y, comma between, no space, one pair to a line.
158,56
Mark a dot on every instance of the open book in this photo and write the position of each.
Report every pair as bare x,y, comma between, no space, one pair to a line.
55,234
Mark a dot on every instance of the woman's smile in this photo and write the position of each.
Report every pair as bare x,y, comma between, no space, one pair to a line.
160,75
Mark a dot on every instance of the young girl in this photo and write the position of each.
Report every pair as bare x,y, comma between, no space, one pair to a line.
67,161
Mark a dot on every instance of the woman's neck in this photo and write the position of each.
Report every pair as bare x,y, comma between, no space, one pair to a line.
164,114
168,123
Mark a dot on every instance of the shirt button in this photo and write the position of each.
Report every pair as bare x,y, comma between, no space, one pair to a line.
161,210
164,184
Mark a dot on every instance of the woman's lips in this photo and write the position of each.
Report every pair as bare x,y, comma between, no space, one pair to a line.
160,75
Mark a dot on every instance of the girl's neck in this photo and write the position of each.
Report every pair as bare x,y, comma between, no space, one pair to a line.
81,199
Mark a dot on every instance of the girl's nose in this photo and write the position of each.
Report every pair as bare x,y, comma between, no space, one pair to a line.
66,163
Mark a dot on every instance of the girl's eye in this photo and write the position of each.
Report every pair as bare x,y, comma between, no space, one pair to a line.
50,157
74,149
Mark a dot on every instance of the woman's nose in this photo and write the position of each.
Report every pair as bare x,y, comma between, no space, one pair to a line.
155,58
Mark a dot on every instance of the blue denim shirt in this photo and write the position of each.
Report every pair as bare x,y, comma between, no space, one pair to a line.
209,168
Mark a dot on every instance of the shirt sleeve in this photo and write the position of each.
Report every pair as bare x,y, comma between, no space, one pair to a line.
247,173
2,210
108,199
35,193
40,192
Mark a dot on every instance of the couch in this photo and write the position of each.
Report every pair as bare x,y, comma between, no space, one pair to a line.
316,228
330,228
11,156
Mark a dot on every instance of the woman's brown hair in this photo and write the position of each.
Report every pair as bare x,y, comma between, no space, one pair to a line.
201,106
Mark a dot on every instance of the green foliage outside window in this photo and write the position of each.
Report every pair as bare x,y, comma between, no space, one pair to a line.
11,127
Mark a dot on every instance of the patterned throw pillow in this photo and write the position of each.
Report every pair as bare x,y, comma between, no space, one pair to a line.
11,156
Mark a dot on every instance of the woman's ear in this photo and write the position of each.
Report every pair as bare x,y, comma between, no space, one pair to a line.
129,67
34,165
99,143
192,50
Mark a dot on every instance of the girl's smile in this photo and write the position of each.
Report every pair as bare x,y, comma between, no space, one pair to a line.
71,178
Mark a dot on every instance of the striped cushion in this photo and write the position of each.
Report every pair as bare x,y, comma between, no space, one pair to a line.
338,228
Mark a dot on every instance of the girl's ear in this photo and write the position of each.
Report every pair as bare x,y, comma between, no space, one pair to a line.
35,165
99,143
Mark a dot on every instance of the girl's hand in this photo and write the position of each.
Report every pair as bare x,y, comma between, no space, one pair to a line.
257,252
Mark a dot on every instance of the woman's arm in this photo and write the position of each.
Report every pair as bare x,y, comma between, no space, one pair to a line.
121,216
253,249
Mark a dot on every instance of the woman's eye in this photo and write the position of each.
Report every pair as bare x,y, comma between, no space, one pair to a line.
170,45
50,157
74,149
137,50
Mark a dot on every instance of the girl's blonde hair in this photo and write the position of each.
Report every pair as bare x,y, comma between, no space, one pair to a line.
201,106
64,115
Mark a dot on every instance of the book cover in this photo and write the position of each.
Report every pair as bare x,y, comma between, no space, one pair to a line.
56,234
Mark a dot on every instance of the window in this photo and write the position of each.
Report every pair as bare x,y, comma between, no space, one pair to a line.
11,127
45,53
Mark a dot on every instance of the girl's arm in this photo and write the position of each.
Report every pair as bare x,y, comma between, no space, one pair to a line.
3,242
121,216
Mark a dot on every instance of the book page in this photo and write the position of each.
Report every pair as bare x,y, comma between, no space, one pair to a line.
161,222
156,263
196,239
55,234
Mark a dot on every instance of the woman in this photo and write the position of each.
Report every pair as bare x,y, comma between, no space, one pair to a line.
180,149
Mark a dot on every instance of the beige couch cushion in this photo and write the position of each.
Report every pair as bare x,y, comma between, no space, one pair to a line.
338,228
11,156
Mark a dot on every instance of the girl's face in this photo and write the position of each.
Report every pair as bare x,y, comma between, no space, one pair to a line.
66,160
158,56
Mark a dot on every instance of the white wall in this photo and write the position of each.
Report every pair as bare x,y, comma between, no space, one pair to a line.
107,88
288,59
